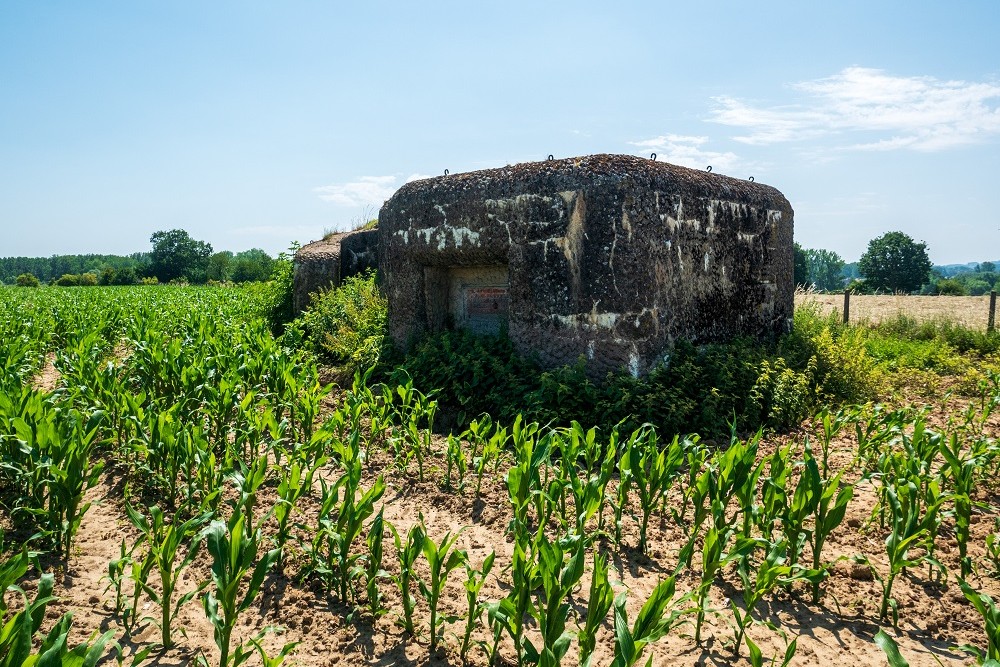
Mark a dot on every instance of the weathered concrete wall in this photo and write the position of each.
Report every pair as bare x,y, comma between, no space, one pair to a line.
610,257
324,263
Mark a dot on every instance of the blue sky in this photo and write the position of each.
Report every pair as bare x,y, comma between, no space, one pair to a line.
255,124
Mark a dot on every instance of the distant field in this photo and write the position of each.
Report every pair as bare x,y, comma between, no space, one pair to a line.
972,311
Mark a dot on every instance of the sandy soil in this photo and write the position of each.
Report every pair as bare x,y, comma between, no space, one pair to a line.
934,617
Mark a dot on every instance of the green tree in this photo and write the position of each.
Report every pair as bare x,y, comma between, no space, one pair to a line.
895,262
253,265
800,266
826,269
220,266
176,255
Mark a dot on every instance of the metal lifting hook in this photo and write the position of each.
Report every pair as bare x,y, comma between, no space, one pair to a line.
708,168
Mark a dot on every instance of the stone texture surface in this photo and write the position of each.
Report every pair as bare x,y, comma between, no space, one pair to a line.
324,263
611,257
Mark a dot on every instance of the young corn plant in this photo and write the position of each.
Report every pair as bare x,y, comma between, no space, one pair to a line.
163,543
523,480
341,520
658,616
653,470
908,523
442,558
408,549
474,580
990,614
455,462
237,577
774,494
599,603
714,558
962,469
558,573
832,497
373,567
296,482
759,580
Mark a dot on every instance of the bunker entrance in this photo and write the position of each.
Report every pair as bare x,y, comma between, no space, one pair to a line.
469,297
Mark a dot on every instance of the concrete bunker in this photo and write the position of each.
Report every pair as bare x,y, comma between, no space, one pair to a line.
327,262
612,257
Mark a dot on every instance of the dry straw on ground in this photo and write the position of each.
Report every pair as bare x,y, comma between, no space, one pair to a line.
971,311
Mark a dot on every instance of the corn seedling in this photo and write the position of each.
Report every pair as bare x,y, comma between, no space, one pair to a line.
714,557
455,462
341,520
296,482
474,580
163,541
373,567
442,558
908,523
234,548
652,472
599,603
771,571
657,618
408,550
990,614
523,479
962,468
558,573
832,497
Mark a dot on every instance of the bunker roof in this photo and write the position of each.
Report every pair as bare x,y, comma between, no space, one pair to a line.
595,170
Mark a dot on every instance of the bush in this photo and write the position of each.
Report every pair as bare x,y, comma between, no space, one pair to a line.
951,287
700,388
471,374
281,290
68,280
27,280
347,323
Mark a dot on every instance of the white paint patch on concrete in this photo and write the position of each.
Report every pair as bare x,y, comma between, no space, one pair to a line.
633,364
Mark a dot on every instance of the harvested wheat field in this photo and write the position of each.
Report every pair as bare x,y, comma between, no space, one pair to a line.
969,311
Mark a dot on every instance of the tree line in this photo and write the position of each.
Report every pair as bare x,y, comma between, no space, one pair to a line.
893,263
174,257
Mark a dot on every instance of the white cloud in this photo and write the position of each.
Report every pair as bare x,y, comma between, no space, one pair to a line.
918,113
688,151
366,191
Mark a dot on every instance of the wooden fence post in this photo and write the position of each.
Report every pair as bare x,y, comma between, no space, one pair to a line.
993,311
847,306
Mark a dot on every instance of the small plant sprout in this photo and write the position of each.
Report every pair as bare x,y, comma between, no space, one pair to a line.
163,542
658,616
474,580
408,549
442,558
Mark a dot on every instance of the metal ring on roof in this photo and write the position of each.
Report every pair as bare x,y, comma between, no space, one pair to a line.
550,156
653,157
708,168
445,172
751,179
